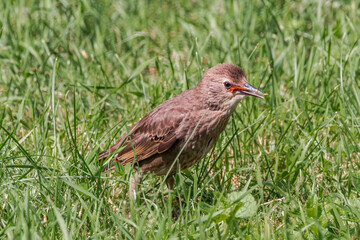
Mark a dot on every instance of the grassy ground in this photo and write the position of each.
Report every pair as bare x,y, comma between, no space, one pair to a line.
76,74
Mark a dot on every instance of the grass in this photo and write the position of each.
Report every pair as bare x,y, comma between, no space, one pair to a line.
77,74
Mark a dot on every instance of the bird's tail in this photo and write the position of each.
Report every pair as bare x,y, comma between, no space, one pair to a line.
101,159
103,155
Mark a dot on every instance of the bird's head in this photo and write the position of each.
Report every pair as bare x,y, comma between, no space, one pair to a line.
225,85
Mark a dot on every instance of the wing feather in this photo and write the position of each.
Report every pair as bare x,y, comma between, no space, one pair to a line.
156,133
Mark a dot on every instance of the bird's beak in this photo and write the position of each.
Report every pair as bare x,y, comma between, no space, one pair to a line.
247,89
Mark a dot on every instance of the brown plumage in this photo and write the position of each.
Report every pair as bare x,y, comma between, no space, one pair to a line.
191,121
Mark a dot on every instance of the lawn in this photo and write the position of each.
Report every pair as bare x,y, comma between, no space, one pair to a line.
75,75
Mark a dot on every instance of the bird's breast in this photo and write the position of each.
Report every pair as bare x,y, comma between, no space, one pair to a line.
201,137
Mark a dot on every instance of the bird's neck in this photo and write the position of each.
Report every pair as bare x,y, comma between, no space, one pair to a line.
227,107
212,100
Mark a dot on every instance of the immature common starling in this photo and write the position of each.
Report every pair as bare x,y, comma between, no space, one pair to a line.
185,127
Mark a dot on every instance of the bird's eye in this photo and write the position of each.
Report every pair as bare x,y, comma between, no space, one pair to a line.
227,84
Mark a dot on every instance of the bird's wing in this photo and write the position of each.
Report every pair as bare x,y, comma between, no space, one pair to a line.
155,133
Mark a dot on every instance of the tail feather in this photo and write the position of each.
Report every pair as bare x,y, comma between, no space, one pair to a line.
101,158
103,154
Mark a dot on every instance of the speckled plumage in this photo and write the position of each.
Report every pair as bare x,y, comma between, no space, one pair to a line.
200,113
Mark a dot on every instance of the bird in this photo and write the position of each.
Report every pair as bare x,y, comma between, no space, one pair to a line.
182,130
